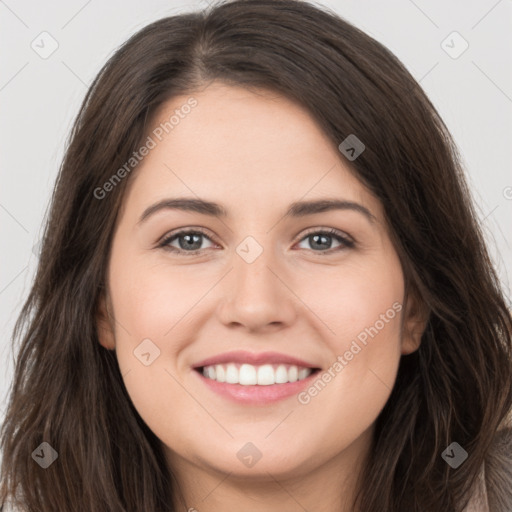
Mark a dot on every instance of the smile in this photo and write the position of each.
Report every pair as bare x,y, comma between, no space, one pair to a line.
252,375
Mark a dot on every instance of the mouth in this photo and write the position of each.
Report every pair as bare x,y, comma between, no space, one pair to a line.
255,379
256,375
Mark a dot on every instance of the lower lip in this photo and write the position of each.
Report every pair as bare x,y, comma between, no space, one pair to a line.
259,395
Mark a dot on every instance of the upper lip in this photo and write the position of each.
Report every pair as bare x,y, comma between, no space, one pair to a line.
242,356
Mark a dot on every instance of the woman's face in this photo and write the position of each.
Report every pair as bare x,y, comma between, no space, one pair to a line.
266,280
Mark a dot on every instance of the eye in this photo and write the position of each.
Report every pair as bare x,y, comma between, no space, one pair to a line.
189,241
319,238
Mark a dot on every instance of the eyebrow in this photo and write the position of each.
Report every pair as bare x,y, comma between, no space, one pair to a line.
296,209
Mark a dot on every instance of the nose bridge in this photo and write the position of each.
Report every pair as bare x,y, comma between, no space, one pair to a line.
252,263
255,295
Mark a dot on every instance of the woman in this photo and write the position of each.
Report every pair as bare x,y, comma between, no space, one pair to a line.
262,286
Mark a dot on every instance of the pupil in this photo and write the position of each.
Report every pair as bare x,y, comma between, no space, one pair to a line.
316,239
190,240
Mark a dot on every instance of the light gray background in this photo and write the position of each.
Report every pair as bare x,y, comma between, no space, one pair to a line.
40,98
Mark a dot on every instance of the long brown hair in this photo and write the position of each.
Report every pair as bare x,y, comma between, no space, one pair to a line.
68,390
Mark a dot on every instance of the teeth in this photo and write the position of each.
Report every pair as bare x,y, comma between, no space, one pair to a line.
231,374
303,373
250,375
220,373
266,375
281,374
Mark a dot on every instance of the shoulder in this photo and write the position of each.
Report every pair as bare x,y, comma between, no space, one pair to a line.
492,491
479,500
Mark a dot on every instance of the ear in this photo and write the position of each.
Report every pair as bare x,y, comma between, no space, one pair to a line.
415,321
105,324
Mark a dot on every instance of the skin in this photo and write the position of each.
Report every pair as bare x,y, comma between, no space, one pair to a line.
255,153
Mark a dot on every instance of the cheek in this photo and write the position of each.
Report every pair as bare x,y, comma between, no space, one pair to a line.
153,301
153,308
357,300
361,310
347,397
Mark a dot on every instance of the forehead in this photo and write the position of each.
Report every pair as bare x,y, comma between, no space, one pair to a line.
257,147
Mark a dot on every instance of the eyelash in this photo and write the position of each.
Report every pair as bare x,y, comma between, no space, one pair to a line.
346,243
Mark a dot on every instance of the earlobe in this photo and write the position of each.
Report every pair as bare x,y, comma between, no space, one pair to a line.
415,321
104,325
411,340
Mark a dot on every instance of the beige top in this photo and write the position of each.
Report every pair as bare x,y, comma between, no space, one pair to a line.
479,501
498,464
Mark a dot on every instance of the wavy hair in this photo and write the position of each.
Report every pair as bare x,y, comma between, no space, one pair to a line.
67,389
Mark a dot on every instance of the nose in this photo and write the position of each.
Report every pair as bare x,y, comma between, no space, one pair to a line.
257,296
